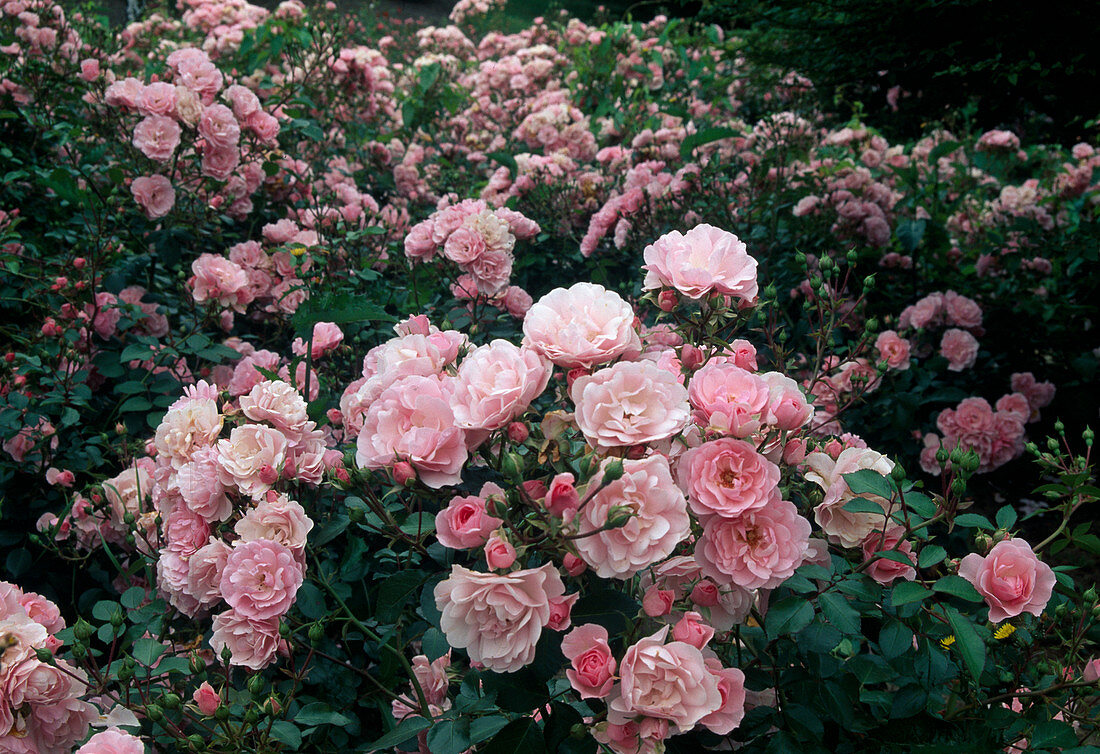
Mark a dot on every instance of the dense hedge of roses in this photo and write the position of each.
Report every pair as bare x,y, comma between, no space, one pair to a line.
370,386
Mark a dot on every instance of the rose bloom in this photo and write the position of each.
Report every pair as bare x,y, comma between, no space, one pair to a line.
253,643
884,570
261,579
728,398
279,519
249,456
492,271
112,741
126,492
581,326
962,311
893,349
464,246
157,136
155,195
727,477
788,408
327,336
412,420
658,519
204,572
279,404
960,348
218,279
666,681
629,403
592,671
158,98
846,527
759,549
206,699
731,687
496,383
1010,578
465,524
220,163
496,618
703,260
218,126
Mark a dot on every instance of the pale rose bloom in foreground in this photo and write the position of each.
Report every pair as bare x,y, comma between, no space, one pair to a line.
496,383
592,671
727,477
960,348
155,195
112,741
261,579
703,260
185,428
846,527
581,326
465,523
279,404
412,420
666,681
658,519
759,549
1010,578
279,519
893,349
253,643
497,619
629,403
251,458
729,398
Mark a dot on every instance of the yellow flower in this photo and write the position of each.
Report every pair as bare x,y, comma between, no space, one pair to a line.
1004,631
947,641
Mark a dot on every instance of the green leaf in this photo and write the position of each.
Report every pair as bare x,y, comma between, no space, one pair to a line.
135,403
705,136
895,639
863,505
1006,517
959,587
449,736
930,555
405,730
788,616
894,555
434,644
1052,735
910,233
341,308
870,482
507,160
287,732
840,612
942,150
609,608
132,597
136,352
486,727
908,591
920,504
971,647
396,593
521,736
974,520
319,713
147,651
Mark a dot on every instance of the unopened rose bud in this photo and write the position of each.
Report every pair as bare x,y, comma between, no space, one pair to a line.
499,553
691,357
705,593
618,516
316,634
667,300
403,473
268,474
256,682
9,357
170,701
154,712
79,263
83,630
572,375
573,565
613,471
518,432
511,465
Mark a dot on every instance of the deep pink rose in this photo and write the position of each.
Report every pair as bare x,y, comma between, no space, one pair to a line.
261,579
465,523
884,570
592,671
693,630
1010,578
562,498
630,403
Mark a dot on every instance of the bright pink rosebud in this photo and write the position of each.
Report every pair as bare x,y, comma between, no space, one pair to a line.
518,432
692,630
535,489
562,498
705,593
573,565
691,357
667,300
499,553
573,374
207,699
593,666
79,263
268,474
657,602
561,608
403,473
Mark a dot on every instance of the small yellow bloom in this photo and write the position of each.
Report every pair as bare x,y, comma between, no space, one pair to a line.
947,641
298,251
1004,631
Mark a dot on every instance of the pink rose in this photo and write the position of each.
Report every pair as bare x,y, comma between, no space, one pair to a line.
1091,671
265,126
243,100
561,609
218,279
491,270
629,403
220,163
759,549
656,518
729,399
731,687
327,336
207,699
499,553
464,246
279,404
158,98
581,326
666,681
155,195
253,643
419,243
89,69
261,579
204,572
727,477
496,383
962,311
157,136
960,348
112,741
562,499
218,126
691,629
849,528
884,570
699,262
893,349
657,602
279,519
497,619
592,671
1010,578
249,457
465,523
788,408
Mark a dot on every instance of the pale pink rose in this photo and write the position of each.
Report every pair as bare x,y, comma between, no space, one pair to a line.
960,348
788,408
155,195
692,629
89,69
187,426
464,246
42,611
657,602
657,518
731,687
220,163
265,126
124,93
188,106
629,403
499,553
1039,394
1091,671
327,336
279,404
127,492
633,737
884,570
279,519
562,498
253,643
465,523
928,311
893,349
666,681
157,136
201,488
218,126
727,477
491,270
1010,578
846,527
496,383
581,326
497,619
592,671
729,399
761,548
158,98
243,100
561,610
1016,404
185,531
218,279
251,458
412,420
112,741
204,572
66,478
962,311
516,301
703,260
206,699
419,243
261,579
